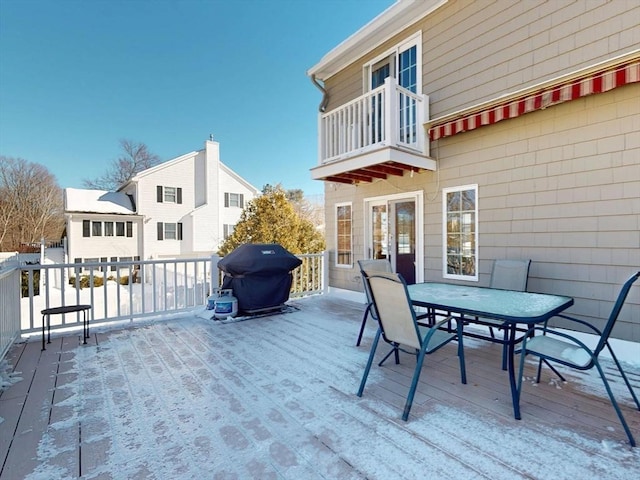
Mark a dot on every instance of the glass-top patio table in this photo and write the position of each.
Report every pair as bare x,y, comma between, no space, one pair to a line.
512,307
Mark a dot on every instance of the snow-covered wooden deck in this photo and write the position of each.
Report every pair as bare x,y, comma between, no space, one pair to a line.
274,397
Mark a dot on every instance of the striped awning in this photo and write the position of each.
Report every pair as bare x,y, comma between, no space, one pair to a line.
598,82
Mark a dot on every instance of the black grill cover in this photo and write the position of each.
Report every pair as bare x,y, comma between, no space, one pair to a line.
259,274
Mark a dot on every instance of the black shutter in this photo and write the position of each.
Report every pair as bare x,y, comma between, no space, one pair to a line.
241,200
160,231
179,195
159,193
226,199
179,231
86,228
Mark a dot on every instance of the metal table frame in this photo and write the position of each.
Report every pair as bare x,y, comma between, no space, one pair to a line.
512,307
47,312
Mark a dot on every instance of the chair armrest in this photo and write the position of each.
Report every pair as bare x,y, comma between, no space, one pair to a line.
581,322
566,336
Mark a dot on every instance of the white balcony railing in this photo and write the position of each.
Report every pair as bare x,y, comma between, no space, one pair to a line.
389,116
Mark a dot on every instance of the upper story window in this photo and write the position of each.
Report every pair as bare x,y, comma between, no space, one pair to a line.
169,231
344,236
460,232
234,200
401,62
168,194
108,229
96,229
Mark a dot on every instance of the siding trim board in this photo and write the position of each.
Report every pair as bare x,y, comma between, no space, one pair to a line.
601,81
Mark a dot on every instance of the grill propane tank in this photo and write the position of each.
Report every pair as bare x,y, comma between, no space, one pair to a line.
225,304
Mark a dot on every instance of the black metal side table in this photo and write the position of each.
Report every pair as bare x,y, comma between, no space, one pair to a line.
47,312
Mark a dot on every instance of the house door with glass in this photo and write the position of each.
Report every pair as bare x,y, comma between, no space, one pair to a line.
392,233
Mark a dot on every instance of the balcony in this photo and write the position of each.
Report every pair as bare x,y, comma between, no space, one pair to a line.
376,135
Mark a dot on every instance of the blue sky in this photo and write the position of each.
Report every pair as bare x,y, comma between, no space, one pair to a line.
78,76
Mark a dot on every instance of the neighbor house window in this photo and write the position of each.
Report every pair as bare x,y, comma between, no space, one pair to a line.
96,229
108,229
120,229
168,194
129,229
460,232
86,228
234,200
169,231
227,230
344,235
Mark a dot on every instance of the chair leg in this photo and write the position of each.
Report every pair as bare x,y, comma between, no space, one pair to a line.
364,322
505,349
615,405
414,383
624,377
393,350
369,362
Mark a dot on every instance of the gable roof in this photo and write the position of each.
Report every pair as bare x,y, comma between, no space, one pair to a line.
97,201
392,21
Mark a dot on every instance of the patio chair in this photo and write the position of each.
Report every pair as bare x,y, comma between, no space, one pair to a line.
506,275
370,266
399,326
567,350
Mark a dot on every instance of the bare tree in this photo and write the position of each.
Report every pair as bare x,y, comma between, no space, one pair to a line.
135,158
30,204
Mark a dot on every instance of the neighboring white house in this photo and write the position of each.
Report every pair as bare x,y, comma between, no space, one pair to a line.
184,207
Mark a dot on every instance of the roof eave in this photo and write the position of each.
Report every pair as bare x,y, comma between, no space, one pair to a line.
393,20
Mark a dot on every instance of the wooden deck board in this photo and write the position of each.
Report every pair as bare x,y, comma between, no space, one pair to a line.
274,397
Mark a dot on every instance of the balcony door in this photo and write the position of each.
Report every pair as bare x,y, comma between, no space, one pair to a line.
394,233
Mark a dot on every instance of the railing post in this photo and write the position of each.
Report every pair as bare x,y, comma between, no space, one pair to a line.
423,136
325,271
215,276
391,123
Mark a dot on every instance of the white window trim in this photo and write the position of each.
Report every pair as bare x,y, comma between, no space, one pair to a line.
336,206
415,39
445,274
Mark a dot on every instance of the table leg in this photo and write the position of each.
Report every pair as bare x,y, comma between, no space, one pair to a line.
43,347
515,397
86,327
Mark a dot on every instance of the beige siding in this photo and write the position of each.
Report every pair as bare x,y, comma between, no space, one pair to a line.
474,51
560,186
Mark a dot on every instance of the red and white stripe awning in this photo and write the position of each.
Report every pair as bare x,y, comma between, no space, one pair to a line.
598,82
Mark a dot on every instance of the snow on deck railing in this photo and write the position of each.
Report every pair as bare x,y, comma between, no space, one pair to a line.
126,291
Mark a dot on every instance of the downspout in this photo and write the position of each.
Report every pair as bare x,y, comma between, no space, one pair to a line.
325,94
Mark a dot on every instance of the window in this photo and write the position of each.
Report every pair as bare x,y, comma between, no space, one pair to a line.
113,267
227,230
129,229
89,260
460,232
401,63
168,194
343,233
86,228
96,229
234,200
108,229
169,231
120,229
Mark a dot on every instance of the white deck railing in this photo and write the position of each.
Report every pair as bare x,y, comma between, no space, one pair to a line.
9,308
389,115
120,291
